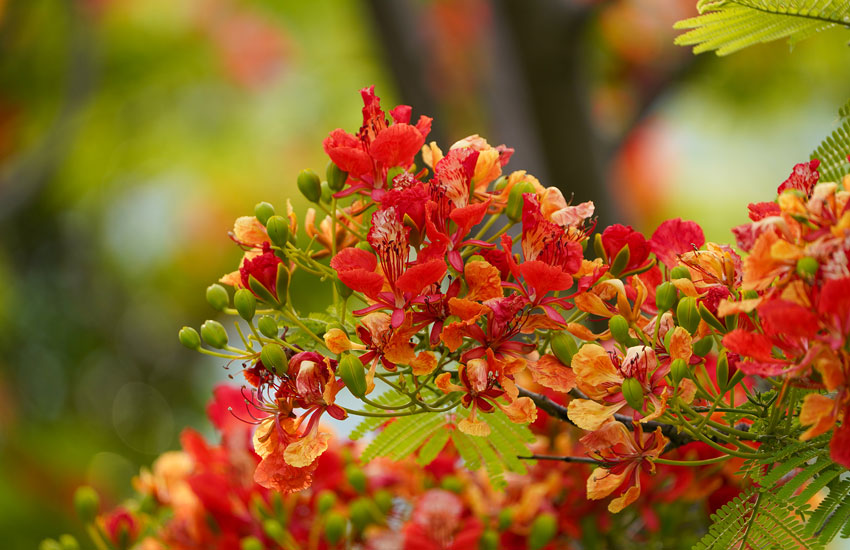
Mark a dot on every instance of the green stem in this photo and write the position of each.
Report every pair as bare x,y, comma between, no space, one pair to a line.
705,462
303,327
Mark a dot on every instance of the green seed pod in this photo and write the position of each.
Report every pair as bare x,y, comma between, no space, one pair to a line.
633,392
564,347
251,543
189,337
506,518
49,544
310,185
356,477
543,530
273,529
384,500
335,525
516,200
268,326
722,371
68,542
325,501
680,272
501,183
452,483
621,260
619,329
214,334
703,347
353,373
217,297
489,540
282,283
665,296
87,504
679,370
687,314
274,359
327,194
360,513
245,303
278,230
336,177
710,319
263,211
807,267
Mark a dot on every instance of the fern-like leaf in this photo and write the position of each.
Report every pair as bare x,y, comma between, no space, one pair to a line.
403,436
731,25
833,151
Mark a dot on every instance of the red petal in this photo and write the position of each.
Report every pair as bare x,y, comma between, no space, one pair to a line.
544,278
417,277
347,152
468,216
749,344
788,319
675,237
839,447
397,145
354,258
761,210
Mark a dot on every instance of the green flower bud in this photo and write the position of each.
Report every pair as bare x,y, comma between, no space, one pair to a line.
516,200
363,245
278,230
633,392
489,540
273,529
680,272
335,525
710,319
678,370
703,346
807,266
189,337
501,183
274,358
336,177
687,314
361,514
384,500
310,185
251,543
343,290
750,294
564,347
543,530
214,334
282,283
49,544
87,504
356,478
599,248
476,258
327,194
393,173
217,297
268,326
263,211
68,542
665,296
452,483
353,373
506,518
619,329
245,303
722,371
621,260
325,501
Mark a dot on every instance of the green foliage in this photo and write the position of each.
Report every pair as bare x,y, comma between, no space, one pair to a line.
833,151
391,398
731,25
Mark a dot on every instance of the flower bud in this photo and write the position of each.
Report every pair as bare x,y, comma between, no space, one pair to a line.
278,230
633,392
679,370
214,334
268,326
327,194
189,337
621,260
360,513
384,500
506,518
665,296
750,294
325,501
516,200
336,177
599,248
564,347
489,540
273,529
263,211
687,314
87,504
335,525
680,272
543,530
251,543
49,544
282,283
807,266
310,185
364,245
703,347
710,319
353,373
452,484
356,478
722,371
501,183
68,542
619,329
217,297
342,289
274,359
245,303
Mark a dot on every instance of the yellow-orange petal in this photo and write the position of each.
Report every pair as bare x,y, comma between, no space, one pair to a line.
265,437
818,411
306,450
590,415
725,307
424,363
631,495
473,426
591,303
602,483
337,341
467,310
521,411
680,344
444,383
551,373
248,230
592,366
687,390
483,280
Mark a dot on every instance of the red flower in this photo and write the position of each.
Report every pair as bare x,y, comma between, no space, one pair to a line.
675,237
616,237
803,178
263,268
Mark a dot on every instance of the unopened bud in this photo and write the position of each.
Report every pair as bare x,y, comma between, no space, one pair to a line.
687,314
310,185
278,229
49,544
356,478
384,500
214,334
501,183
679,370
680,272
327,194
750,294
325,501
87,504
506,518
516,200
273,529
353,373
245,303
621,260
217,297
282,283
189,337
263,211
564,347
703,346
633,392
68,542
489,540
343,290
360,513
267,326
543,530
335,525
452,483
807,266
251,543
619,329
665,296
722,371
274,359
336,177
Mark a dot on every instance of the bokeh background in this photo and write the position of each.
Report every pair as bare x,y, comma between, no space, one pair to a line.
132,133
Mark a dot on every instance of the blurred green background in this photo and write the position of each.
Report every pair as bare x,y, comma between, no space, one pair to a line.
133,132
